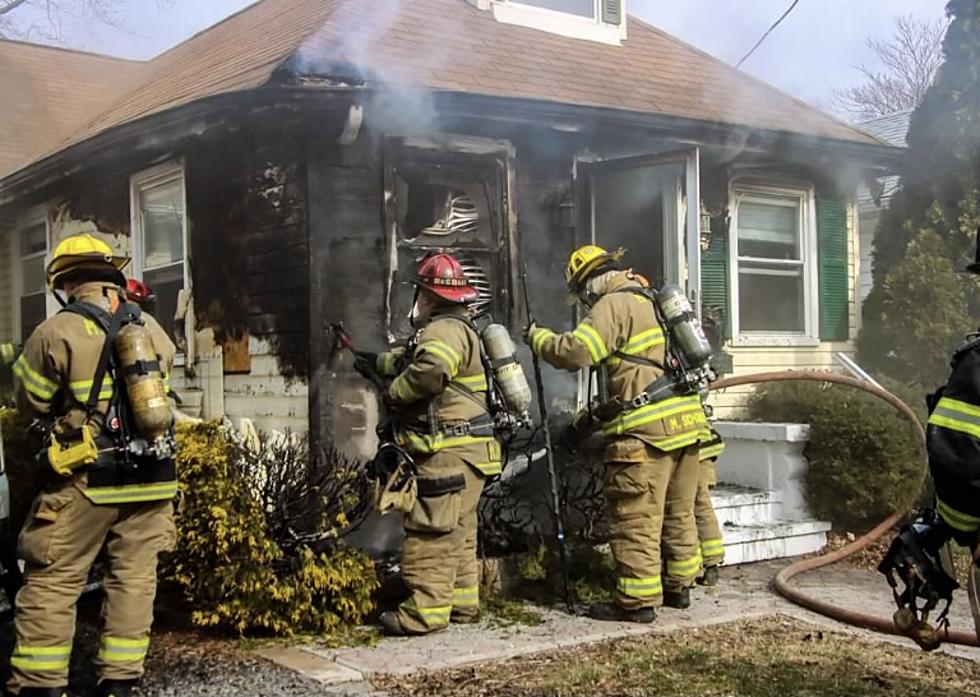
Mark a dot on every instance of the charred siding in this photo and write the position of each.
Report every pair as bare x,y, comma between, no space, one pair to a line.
276,248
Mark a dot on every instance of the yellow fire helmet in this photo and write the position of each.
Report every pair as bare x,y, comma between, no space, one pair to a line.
82,252
586,261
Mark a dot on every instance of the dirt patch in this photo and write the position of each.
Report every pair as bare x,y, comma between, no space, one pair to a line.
764,658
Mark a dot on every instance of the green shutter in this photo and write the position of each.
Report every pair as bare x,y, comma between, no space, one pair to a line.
612,11
832,247
714,278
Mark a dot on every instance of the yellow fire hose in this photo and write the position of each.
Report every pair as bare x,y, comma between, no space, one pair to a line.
782,579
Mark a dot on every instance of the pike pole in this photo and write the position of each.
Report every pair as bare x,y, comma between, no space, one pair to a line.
552,473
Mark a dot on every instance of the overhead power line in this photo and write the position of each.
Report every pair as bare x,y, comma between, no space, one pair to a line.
768,32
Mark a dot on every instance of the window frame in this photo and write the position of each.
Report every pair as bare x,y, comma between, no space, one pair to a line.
805,196
30,218
156,176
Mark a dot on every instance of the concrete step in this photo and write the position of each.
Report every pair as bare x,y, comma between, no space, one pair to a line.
773,540
739,505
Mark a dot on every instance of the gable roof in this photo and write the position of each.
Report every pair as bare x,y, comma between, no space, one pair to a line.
450,45
50,91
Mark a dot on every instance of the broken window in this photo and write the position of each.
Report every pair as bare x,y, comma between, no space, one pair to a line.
444,200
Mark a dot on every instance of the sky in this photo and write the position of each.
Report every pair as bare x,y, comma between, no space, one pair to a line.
810,54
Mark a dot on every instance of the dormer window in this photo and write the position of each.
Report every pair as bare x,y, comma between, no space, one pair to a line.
594,20
582,8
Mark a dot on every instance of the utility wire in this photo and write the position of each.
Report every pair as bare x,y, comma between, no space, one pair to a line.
768,32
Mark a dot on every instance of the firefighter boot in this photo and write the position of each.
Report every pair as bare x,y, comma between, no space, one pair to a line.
679,599
390,625
611,612
710,577
116,688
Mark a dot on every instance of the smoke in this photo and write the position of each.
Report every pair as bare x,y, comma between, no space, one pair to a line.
364,44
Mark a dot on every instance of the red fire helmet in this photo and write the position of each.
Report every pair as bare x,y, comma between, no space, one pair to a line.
442,275
138,292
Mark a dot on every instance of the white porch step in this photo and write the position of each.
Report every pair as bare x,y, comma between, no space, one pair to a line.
753,528
740,505
773,540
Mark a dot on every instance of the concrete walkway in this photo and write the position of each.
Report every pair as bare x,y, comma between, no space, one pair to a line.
743,594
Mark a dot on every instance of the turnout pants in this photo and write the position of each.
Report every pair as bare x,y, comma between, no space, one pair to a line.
709,531
60,540
651,502
439,559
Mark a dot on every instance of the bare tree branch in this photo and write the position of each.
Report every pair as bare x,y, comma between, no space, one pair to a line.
44,19
10,5
908,61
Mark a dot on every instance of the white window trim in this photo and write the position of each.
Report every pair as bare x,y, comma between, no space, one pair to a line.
160,174
811,286
35,215
561,23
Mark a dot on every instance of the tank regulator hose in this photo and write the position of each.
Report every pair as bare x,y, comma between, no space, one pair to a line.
782,580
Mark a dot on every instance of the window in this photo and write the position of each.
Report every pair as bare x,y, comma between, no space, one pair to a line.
593,20
159,237
32,249
583,8
775,264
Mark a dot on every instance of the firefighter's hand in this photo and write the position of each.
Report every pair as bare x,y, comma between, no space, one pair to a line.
528,331
579,430
366,363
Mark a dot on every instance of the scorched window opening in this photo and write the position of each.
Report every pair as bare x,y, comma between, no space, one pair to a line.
448,201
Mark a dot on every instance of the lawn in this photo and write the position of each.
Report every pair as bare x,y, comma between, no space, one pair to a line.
771,657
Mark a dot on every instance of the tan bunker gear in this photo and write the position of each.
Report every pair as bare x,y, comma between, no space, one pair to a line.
709,531
445,425
651,457
100,504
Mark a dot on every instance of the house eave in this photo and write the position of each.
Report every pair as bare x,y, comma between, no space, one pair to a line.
201,115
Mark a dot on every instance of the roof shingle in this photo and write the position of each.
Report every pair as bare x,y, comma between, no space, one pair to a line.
448,45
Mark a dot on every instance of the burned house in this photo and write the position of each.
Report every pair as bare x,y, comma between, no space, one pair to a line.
286,168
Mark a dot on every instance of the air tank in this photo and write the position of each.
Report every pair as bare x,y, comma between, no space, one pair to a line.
684,326
145,388
507,372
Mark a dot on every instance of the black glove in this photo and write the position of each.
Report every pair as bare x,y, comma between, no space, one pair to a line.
366,363
578,431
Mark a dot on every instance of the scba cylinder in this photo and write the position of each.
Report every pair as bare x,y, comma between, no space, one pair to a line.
145,388
684,327
507,372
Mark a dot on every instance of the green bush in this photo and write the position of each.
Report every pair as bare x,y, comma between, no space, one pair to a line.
231,569
865,459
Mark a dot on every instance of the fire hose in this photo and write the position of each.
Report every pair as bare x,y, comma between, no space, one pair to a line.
782,580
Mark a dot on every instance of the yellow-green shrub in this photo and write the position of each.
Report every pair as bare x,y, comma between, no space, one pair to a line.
232,571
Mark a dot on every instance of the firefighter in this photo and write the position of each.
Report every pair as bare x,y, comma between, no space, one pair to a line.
440,393
141,294
709,531
98,495
653,428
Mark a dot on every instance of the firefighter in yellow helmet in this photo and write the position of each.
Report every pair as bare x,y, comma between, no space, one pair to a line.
440,393
93,375
652,427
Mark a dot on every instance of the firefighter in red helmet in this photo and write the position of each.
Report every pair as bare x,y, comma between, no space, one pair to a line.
141,294
439,390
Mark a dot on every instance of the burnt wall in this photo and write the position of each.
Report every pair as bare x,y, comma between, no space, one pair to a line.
347,284
246,199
